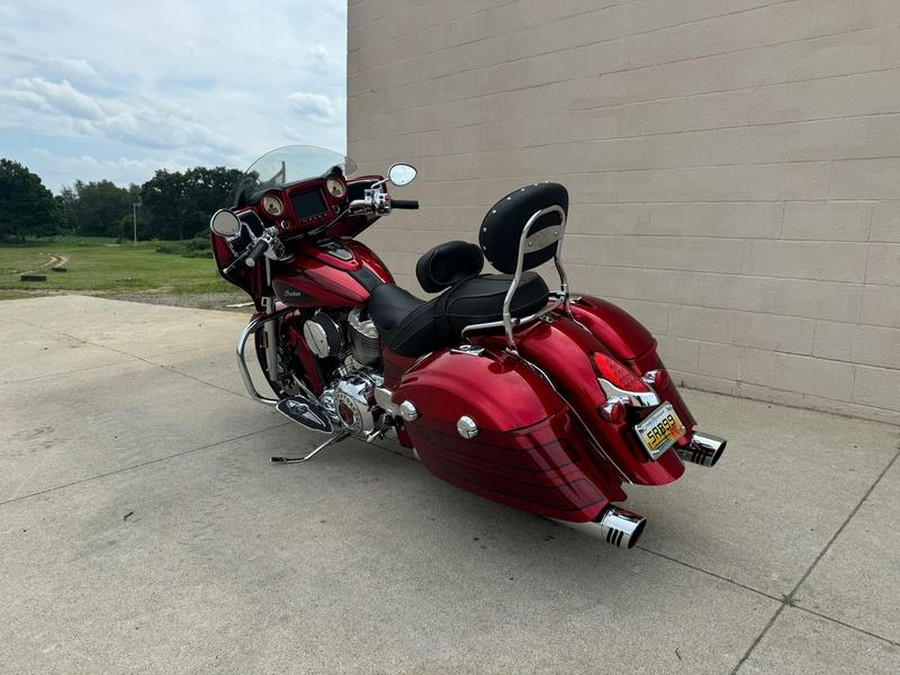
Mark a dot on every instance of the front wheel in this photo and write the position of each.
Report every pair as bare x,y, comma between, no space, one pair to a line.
289,367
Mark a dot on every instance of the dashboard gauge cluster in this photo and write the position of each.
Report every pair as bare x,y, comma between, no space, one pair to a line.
306,205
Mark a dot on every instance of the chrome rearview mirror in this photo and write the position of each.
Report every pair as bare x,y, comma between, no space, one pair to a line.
224,222
402,174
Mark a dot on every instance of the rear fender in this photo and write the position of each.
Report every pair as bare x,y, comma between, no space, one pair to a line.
562,350
628,340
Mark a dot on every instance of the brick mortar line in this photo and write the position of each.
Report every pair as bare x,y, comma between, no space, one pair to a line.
706,237
431,25
675,303
437,52
749,88
619,171
794,406
622,38
788,600
143,464
673,168
740,274
701,202
674,132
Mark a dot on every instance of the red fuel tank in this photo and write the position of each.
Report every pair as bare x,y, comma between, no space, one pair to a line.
341,273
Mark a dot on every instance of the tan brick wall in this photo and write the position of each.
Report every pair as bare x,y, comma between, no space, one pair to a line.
733,168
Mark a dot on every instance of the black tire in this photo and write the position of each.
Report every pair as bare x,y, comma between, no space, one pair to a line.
263,362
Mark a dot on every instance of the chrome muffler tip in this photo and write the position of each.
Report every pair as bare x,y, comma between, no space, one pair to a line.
621,528
704,449
616,526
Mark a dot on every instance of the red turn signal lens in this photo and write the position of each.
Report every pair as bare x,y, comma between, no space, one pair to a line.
617,374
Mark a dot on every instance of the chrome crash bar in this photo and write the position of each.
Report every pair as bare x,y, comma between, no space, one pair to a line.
249,330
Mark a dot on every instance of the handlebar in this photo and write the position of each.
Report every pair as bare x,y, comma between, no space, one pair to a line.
257,252
404,203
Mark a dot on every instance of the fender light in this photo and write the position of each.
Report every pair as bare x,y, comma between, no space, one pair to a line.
613,411
658,379
619,383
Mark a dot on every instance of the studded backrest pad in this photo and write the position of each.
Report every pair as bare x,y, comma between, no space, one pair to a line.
501,229
447,264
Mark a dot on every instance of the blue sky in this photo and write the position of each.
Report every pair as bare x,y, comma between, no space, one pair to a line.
114,90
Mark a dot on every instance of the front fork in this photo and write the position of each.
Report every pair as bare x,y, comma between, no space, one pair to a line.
271,328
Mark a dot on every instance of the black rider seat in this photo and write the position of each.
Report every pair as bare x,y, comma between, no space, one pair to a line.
519,233
413,327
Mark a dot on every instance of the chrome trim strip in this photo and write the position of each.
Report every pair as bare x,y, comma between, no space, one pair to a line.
638,399
469,350
515,322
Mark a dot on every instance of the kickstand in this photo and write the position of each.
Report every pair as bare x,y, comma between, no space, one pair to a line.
337,438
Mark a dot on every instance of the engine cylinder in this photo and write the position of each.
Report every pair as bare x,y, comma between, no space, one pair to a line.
365,344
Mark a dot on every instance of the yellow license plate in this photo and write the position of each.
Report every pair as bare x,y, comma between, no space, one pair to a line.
660,430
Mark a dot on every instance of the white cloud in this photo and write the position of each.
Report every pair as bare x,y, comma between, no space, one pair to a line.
61,97
317,108
212,82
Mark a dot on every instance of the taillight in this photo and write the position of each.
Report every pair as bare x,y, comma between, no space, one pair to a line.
614,372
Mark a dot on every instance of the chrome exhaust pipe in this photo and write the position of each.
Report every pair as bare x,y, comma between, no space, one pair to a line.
616,526
704,449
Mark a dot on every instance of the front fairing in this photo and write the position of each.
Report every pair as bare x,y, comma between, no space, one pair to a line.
287,165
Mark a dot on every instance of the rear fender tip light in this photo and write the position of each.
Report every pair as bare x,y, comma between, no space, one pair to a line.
657,379
613,411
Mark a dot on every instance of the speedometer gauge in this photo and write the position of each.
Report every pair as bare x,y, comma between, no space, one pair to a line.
272,205
336,188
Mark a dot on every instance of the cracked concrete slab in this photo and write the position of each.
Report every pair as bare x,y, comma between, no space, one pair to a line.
800,643
148,532
786,483
858,579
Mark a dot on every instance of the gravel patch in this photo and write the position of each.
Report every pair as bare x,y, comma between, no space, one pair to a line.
219,301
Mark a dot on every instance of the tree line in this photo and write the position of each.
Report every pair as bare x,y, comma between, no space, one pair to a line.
171,205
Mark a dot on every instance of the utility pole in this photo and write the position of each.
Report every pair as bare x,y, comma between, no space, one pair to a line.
134,207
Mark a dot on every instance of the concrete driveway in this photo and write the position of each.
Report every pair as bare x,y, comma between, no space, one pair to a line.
143,529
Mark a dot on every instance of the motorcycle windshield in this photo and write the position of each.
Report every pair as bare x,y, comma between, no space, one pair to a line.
290,164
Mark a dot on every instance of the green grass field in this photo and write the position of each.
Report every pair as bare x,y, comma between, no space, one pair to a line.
96,265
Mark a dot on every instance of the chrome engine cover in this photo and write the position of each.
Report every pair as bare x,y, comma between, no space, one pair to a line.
323,336
354,402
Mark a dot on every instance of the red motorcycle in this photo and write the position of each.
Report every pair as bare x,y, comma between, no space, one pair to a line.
542,400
